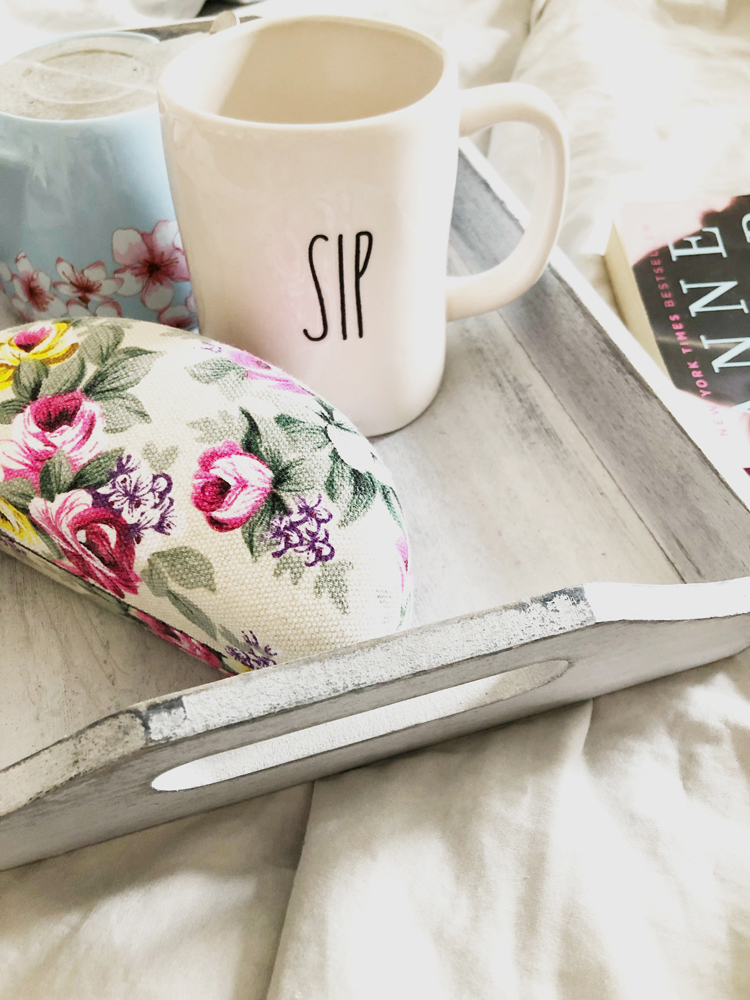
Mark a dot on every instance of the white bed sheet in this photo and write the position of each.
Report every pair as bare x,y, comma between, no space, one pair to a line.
26,23
596,853
656,94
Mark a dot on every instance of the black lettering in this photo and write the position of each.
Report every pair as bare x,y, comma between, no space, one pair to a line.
318,289
342,293
359,270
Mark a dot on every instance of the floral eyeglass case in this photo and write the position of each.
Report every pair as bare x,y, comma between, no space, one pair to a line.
197,490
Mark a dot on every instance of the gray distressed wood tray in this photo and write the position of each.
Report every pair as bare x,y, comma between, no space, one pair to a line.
551,456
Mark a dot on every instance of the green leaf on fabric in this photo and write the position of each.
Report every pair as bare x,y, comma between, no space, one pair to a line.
155,578
160,461
65,377
252,440
224,427
231,638
234,385
97,472
290,563
344,426
192,612
255,531
248,536
332,581
186,566
274,461
132,352
56,475
277,505
122,411
339,484
28,378
364,491
51,544
230,377
18,492
295,477
304,435
328,414
391,501
101,343
9,408
214,369
119,374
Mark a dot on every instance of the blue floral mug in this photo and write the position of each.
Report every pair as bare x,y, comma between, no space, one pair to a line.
86,217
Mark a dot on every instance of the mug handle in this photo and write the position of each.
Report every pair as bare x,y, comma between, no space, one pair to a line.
518,102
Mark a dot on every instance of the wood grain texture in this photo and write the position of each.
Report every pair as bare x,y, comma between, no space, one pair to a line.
65,662
701,525
503,495
522,477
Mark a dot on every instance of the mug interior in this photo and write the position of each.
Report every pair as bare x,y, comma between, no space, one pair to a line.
308,71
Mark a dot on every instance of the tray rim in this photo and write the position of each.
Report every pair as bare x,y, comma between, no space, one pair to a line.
576,607
114,760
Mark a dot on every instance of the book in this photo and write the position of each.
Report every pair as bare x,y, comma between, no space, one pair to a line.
681,276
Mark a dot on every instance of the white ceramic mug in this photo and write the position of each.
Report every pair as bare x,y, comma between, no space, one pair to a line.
313,165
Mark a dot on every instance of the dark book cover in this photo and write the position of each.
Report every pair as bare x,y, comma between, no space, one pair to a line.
696,290
691,265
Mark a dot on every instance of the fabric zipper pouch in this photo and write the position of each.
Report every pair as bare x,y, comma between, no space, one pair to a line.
196,489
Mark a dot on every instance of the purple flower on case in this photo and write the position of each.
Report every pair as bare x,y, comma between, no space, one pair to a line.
143,500
303,531
254,656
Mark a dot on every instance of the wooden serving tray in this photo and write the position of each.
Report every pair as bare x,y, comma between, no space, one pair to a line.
552,455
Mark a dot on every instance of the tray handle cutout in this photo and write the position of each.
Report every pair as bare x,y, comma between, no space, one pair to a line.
358,728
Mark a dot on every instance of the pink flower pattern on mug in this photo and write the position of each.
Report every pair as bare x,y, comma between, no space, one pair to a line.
151,264
91,286
180,317
34,297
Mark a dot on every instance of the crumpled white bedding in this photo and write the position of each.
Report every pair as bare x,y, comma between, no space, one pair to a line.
656,95
598,852
26,23
595,853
